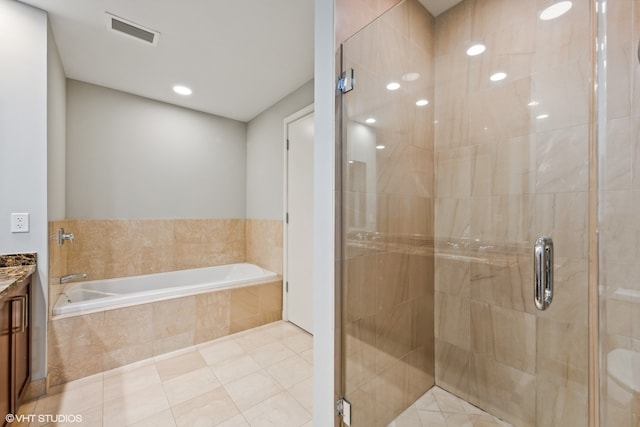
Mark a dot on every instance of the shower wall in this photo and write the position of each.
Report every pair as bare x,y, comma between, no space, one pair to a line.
619,222
511,161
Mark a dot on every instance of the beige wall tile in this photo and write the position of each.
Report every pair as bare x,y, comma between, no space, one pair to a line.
264,243
505,392
213,315
452,368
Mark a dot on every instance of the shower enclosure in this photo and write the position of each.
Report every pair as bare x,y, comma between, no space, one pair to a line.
453,162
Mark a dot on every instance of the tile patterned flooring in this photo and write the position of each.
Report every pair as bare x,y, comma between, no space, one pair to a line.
439,408
261,377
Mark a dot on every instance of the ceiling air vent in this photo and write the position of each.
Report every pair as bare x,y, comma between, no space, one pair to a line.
132,29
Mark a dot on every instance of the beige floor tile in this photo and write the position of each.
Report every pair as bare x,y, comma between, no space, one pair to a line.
232,369
190,385
431,419
130,381
449,403
130,367
82,382
220,350
299,342
308,355
135,407
74,400
161,419
237,421
270,354
303,393
290,371
439,408
409,418
282,329
253,338
208,409
180,365
280,410
427,402
252,389
88,417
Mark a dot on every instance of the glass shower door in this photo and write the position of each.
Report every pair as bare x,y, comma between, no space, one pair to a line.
387,217
452,166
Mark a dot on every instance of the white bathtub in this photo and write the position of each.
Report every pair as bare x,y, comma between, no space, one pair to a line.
83,297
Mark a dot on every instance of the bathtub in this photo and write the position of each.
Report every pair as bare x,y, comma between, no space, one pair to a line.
91,296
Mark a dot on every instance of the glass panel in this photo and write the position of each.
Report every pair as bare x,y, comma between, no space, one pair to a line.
512,165
619,218
498,157
387,169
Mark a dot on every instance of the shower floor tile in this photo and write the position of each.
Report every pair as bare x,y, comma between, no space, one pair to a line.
439,408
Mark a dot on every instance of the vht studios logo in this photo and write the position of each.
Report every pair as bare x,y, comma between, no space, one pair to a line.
43,418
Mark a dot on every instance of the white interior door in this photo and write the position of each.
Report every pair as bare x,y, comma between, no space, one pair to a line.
299,264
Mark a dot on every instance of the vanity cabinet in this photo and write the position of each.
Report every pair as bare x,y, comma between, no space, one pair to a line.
15,341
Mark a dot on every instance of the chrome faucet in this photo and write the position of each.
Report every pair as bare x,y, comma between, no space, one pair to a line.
70,277
62,236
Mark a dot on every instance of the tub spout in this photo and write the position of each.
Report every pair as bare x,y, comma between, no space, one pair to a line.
70,277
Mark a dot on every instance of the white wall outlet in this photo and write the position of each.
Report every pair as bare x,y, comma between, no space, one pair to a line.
19,222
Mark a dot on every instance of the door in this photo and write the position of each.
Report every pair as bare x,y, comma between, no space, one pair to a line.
299,227
452,167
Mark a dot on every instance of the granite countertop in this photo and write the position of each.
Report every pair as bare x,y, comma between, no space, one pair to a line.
14,269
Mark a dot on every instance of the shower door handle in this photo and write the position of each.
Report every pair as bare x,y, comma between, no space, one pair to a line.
543,272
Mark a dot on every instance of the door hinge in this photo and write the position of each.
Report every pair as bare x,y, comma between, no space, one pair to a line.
287,145
343,409
286,286
346,81
287,218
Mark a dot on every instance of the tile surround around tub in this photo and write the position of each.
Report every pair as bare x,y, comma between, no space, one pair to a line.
83,345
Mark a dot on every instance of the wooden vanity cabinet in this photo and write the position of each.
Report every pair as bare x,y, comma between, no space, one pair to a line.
15,344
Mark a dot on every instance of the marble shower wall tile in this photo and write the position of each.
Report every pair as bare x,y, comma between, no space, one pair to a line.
511,165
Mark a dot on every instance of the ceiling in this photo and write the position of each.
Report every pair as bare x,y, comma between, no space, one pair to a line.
239,57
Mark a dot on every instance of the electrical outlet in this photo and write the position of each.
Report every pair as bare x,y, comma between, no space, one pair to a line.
19,222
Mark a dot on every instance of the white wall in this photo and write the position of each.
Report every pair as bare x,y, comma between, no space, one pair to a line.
56,123
23,150
324,189
132,157
265,156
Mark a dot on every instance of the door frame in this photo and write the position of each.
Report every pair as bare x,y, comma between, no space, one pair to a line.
285,205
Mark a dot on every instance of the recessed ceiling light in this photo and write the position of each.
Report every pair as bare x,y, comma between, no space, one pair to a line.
422,102
350,161
555,10
370,120
476,49
498,76
542,116
182,90
380,147
533,103
409,77
393,86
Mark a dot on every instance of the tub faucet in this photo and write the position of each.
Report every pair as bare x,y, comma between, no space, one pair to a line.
62,236
70,277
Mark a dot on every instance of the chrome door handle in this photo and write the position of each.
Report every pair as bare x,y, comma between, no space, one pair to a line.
543,272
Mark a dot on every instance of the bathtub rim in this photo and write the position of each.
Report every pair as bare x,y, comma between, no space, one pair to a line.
53,317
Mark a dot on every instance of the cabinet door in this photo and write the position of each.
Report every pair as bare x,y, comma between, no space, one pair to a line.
5,358
21,342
